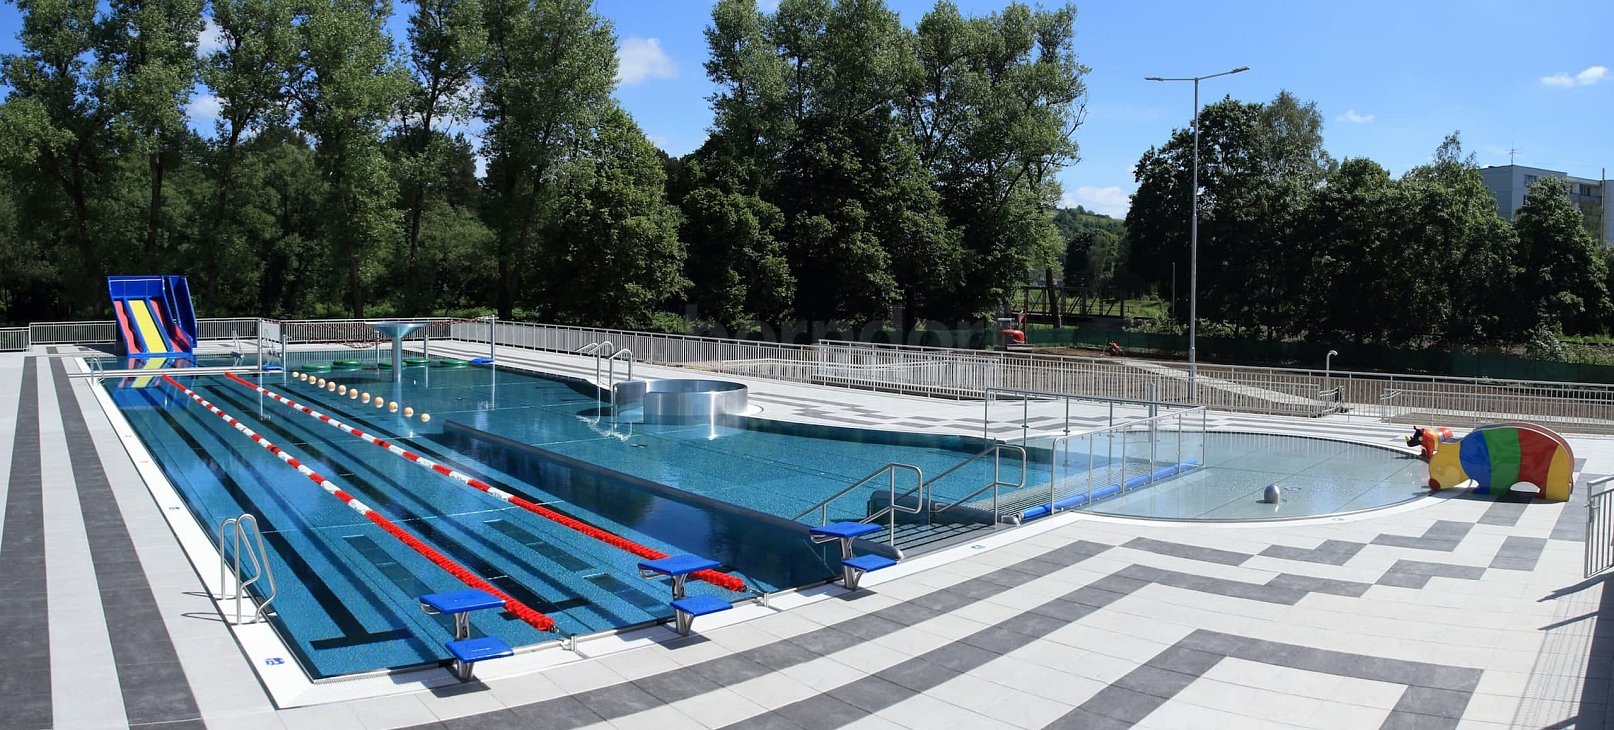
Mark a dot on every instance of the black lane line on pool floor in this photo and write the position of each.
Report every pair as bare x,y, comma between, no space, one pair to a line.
352,628
149,673
424,518
24,615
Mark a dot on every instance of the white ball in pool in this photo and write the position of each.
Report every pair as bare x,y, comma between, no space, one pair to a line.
320,383
393,406
409,412
294,373
331,386
364,398
341,390
353,394
380,402
425,418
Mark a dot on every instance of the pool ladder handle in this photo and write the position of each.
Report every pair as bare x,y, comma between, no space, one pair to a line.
606,353
890,472
242,544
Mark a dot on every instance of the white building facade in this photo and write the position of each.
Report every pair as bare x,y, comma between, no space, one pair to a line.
1508,184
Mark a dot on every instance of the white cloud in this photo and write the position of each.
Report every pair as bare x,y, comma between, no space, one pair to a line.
642,58
203,108
1111,201
211,39
1351,117
1590,75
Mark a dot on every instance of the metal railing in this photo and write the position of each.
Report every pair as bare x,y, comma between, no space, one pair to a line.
1025,397
1117,472
1599,549
997,484
98,332
248,546
890,510
14,338
968,374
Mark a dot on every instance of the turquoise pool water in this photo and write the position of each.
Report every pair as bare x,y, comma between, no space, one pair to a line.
727,492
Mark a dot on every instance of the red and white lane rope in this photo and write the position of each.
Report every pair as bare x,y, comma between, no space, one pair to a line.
717,578
520,610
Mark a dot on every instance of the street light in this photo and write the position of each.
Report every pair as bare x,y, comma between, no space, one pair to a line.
1193,232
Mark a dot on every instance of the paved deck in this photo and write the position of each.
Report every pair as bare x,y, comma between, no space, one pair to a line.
1450,612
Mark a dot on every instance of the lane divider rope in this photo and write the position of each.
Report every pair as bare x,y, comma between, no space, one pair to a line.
520,610
717,578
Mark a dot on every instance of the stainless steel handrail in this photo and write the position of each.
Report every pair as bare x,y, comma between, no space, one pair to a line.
890,472
242,544
1062,444
610,382
997,479
1595,547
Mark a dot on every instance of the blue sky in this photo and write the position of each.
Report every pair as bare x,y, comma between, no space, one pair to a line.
1390,78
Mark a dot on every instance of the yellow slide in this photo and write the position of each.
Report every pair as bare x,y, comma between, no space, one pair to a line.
150,332
152,363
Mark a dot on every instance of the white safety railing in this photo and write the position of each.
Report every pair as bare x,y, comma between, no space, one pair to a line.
951,373
13,339
1122,457
1599,555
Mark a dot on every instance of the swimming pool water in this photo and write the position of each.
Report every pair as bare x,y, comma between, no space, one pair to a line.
348,590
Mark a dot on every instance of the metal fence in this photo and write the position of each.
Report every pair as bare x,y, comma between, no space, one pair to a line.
968,374
68,333
1599,555
356,332
13,338
1104,462
92,333
952,373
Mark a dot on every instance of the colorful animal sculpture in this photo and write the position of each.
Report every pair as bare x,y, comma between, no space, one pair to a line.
1500,455
1430,439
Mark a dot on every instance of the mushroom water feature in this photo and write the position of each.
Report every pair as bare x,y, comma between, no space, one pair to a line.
397,331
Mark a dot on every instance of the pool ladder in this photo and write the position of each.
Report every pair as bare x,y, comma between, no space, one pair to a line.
246,541
605,355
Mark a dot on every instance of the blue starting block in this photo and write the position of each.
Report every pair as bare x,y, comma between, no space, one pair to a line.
852,567
466,650
685,607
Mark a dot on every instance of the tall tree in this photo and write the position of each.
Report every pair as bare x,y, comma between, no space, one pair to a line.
616,254
547,77
152,44
992,105
446,40
248,74
57,126
1564,272
347,88
1258,166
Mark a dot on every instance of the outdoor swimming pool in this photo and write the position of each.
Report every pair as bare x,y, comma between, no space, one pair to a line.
727,492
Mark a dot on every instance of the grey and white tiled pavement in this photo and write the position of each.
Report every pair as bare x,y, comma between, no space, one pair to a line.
1446,612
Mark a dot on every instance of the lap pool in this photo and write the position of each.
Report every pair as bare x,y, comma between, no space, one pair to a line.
727,491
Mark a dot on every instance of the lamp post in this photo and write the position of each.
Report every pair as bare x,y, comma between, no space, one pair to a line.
1193,233
1328,361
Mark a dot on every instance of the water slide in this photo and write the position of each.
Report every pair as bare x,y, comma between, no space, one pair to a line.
154,315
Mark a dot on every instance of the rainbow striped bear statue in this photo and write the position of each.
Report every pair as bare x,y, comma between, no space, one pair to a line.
1500,455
